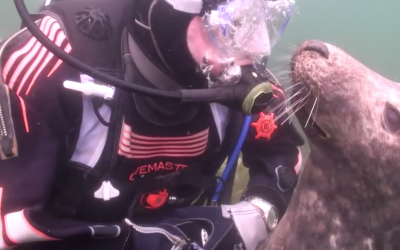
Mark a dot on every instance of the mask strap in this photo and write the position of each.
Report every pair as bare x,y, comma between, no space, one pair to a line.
148,70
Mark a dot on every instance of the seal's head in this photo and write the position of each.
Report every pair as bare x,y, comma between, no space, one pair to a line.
348,195
355,107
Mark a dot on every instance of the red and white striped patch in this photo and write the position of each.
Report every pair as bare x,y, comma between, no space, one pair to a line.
136,146
31,60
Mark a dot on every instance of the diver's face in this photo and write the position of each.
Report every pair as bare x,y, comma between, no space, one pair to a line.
201,47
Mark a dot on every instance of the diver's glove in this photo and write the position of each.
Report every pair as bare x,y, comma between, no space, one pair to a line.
276,192
252,94
238,226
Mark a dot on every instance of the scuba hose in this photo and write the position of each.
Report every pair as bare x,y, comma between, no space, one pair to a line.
247,97
227,177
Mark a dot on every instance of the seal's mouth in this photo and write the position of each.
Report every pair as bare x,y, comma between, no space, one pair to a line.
306,88
307,112
310,126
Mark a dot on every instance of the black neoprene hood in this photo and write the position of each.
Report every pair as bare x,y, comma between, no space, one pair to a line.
160,32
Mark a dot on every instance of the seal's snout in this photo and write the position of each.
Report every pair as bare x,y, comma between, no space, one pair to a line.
319,47
316,47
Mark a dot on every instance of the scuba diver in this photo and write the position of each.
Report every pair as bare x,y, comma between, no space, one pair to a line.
97,150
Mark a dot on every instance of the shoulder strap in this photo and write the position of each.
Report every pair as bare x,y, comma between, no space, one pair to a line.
78,181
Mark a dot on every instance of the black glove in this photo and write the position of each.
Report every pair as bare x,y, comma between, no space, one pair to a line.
277,191
226,227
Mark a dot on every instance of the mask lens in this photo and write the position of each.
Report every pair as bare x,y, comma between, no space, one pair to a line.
247,29
279,13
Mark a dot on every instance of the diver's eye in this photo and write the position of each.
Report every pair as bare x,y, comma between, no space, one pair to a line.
392,119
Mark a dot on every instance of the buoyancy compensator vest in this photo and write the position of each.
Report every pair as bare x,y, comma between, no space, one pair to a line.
94,29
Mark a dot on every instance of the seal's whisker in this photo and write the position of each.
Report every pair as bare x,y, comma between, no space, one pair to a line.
294,85
285,77
285,73
289,117
282,73
287,66
284,58
297,109
275,70
300,106
279,71
282,104
281,108
291,106
297,93
287,110
305,101
286,101
282,76
302,101
293,113
292,47
316,110
286,83
312,109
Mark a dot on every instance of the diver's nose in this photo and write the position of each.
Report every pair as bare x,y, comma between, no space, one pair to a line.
319,47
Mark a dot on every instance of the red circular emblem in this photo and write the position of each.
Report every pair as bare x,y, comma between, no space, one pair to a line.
265,126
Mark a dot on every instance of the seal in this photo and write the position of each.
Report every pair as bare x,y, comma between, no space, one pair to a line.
348,195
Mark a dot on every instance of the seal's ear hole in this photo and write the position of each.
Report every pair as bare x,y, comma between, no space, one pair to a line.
392,118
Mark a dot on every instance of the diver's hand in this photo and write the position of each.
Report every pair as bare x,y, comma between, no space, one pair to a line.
241,225
238,226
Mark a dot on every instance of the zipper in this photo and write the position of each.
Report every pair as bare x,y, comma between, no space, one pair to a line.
177,242
3,129
8,148
8,142
153,38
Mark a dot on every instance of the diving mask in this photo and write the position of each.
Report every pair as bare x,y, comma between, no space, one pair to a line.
245,31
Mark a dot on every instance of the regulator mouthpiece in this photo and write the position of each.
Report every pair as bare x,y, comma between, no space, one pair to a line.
246,98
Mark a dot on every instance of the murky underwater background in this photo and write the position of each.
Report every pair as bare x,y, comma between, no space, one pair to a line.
369,30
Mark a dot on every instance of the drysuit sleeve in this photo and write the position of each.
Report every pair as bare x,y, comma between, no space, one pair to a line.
271,151
29,146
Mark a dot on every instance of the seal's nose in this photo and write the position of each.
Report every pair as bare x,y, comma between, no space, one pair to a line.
319,47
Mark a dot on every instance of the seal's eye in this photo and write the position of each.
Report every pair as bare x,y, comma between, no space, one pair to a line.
392,119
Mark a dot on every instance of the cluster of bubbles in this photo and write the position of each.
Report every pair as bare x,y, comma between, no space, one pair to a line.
230,73
245,30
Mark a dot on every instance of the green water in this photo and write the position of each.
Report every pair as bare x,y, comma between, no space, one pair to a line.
9,19
367,29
